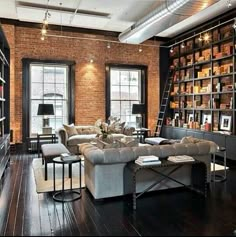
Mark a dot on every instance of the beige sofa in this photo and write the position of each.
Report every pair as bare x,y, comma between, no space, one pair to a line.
85,134
106,174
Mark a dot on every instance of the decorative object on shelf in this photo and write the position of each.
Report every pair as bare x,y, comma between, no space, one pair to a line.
139,109
45,110
225,122
206,118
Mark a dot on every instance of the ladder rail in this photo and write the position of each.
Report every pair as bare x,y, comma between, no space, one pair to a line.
164,103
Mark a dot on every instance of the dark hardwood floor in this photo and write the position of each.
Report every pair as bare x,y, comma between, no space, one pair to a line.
177,212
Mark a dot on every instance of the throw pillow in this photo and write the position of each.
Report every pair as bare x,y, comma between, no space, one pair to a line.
190,139
70,129
128,130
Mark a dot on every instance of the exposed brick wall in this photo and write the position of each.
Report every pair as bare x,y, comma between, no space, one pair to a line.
89,78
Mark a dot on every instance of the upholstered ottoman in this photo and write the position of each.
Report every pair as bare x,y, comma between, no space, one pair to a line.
50,151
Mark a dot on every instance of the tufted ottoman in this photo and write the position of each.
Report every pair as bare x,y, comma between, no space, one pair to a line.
50,151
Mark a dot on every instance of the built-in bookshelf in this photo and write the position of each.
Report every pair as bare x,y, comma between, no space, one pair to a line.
4,102
202,100
203,94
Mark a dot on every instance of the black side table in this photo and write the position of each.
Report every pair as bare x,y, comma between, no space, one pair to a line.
218,177
67,195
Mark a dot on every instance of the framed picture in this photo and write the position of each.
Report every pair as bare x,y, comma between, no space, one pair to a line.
206,118
225,122
190,118
176,115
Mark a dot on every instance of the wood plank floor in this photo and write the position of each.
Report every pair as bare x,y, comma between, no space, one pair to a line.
177,212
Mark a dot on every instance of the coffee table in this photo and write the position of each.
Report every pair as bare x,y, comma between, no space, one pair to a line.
198,177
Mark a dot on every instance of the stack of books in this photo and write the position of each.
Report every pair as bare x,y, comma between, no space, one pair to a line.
68,157
183,158
148,160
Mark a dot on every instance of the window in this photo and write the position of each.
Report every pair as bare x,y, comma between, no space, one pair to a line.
48,85
48,82
125,87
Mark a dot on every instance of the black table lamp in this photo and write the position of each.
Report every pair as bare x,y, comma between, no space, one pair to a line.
45,110
139,109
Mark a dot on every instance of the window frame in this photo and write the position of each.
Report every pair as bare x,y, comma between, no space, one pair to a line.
144,86
26,62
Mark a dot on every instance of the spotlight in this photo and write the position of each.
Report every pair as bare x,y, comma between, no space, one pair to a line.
91,60
171,50
108,45
206,37
182,45
234,25
140,49
44,30
229,4
200,38
42,38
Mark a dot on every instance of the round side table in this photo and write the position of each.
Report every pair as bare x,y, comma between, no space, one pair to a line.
67,195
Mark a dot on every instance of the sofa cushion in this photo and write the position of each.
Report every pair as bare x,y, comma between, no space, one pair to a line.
70,129
128,143
76,139
104,145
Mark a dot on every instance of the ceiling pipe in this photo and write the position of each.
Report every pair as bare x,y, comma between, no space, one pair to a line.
162,18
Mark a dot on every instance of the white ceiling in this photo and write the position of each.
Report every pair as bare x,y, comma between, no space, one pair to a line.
120,14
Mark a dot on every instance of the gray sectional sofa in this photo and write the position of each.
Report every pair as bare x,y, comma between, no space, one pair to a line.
106,174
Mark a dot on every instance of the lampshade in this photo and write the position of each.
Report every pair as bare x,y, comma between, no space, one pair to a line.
138,109
45,109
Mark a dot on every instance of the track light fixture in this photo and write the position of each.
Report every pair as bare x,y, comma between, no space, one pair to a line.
140,49
171,50
182,45
229,3
108,45
234,25
200,39
206,37
45,23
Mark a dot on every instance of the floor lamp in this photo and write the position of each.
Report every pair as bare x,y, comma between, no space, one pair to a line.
139,109
45,110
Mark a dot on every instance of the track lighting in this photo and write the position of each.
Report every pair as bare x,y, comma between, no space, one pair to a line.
182,45
229,4
108,45
234,25
200,39
45,24
44,30
140,49
91,60
206,37
171,50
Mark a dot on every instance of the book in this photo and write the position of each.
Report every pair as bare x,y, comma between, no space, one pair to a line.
183,158
158,162
68,157
149,158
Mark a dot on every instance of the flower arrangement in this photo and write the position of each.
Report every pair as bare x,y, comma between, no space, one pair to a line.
104,130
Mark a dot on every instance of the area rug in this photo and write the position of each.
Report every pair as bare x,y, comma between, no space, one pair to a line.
47,185
218,167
